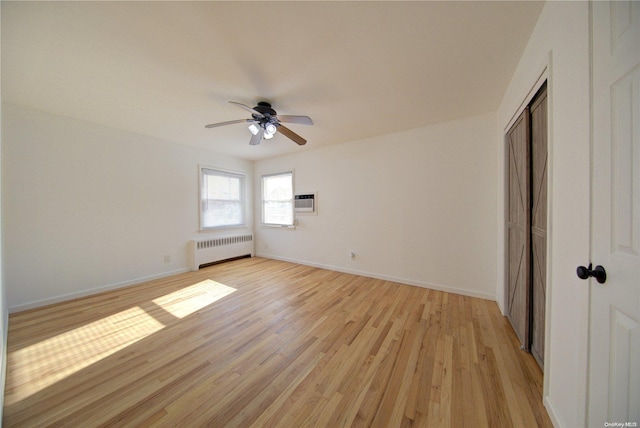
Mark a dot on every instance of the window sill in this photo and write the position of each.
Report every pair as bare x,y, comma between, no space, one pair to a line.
278,226
222,228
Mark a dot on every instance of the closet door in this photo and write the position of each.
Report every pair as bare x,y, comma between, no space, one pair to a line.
538,222
518,227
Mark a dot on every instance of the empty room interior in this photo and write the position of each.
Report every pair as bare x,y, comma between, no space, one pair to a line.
311,214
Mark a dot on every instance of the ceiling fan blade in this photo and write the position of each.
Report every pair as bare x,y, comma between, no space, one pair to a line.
255,139
301,120
291,135
230,122
247,108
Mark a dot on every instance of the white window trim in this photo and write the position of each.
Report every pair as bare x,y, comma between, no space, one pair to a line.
278,225
243,196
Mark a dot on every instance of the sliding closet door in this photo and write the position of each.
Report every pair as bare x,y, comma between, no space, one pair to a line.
538,222
518,227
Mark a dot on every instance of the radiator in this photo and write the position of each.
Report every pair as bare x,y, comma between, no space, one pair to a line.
220,248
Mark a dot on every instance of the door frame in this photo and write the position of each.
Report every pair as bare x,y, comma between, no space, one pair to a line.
543,76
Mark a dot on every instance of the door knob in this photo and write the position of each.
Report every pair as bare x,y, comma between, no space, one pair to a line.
598,273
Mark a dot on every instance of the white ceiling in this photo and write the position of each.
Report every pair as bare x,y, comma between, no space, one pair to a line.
359,69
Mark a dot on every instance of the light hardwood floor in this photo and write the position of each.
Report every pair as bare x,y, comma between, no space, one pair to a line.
257,343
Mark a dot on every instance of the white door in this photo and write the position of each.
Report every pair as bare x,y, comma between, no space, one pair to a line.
614,330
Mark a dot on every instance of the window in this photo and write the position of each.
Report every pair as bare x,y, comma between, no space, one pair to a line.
277,199
221,199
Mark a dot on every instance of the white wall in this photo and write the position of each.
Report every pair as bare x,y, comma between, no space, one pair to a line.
417,207
560,43
88,207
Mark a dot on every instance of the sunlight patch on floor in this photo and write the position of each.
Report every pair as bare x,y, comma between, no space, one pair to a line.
45,363
36,367
193,298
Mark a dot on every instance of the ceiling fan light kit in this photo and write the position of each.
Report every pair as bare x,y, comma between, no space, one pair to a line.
254,129
265,122
270,128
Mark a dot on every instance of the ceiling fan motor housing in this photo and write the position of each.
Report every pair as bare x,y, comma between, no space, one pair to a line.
265,108
268,115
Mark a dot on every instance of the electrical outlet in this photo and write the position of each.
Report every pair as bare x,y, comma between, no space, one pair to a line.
167,259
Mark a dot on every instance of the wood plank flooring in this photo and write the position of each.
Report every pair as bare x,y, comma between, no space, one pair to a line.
264,343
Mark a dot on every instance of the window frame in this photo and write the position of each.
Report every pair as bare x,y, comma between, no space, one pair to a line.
201,200
263,200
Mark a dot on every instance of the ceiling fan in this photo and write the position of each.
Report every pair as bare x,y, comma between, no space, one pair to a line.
265,122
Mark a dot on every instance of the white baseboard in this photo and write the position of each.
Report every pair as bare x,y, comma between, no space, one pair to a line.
553,414
91,291
401,280
500,307
3,357
407,281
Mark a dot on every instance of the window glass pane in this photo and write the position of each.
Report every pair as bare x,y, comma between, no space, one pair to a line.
277,199
222,213
278,187
221,187
278,212
222,199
